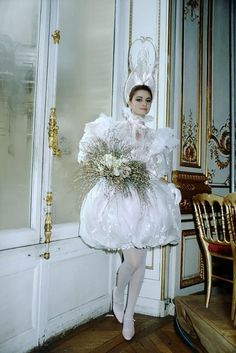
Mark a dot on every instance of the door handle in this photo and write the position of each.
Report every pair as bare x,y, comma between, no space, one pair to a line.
53,133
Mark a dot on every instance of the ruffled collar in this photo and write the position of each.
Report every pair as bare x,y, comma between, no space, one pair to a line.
128,115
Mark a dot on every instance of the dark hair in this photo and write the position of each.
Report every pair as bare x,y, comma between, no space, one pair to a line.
138,88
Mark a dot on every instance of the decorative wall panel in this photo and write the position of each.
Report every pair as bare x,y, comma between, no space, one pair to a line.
218,95
192,266
191,97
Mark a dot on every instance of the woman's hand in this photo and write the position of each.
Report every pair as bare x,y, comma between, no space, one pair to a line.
176,193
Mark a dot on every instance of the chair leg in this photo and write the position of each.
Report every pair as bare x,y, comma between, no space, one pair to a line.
233,301
233,308
209,278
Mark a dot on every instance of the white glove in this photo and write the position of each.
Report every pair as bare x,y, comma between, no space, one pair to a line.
176,193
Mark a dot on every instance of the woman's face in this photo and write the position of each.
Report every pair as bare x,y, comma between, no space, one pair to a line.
141,102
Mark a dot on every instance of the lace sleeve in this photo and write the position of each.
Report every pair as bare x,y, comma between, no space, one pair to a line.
162,144
159,164
163,140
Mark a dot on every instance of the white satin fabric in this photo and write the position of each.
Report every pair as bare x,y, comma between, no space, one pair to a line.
118,222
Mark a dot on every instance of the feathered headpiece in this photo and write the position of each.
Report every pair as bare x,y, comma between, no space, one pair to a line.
142,65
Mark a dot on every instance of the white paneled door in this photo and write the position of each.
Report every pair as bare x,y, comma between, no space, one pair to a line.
56,62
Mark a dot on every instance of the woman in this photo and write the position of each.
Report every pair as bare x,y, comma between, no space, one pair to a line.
145,216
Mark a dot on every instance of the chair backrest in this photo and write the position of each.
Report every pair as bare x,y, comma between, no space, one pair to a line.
230,202
211,218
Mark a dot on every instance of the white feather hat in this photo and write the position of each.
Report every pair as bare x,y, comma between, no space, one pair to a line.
142,65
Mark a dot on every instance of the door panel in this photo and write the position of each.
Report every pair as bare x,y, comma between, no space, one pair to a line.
84,89
45,295
18,68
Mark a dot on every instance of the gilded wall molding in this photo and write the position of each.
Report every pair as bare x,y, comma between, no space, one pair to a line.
218,139
191,84
131,7
169,63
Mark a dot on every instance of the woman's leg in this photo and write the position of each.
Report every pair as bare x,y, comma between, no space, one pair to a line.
131,271
136,281
125,272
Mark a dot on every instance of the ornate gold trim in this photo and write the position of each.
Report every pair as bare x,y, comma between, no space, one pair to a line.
209,84
158,26
190,184
218,139
195,279
56,36
131,7
49,199
163,272
169,45
219,145
189,153
53,133
186,155
48,225
189,9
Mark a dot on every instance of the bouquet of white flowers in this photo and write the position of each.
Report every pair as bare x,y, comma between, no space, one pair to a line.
112,161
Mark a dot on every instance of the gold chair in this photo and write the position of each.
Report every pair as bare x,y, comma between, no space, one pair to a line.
211,219
230,202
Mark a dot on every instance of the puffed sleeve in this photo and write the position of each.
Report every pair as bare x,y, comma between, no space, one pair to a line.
98,128
164,141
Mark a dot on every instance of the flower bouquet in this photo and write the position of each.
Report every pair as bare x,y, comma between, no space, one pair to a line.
112,162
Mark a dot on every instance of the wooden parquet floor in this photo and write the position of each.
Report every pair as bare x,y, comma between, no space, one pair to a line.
103,335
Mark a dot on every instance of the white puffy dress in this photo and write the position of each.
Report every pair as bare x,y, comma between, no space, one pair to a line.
119,222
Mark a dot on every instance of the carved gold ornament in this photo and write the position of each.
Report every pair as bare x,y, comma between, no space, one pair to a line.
210,175
53,133
48,225
191,8
56,36
189,140
219,145
227,181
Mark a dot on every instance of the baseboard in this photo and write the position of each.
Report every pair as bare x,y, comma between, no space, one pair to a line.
148,306
76,317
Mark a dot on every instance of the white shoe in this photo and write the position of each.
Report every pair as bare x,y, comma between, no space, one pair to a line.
128,329
118,308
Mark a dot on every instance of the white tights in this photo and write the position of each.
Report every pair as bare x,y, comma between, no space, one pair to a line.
131,272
